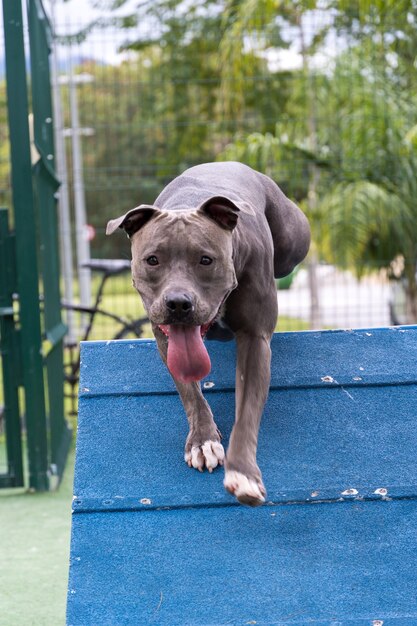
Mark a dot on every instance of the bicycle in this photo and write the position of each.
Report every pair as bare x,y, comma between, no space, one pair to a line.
128,326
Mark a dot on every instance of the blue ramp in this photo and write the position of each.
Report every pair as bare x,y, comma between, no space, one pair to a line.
154,542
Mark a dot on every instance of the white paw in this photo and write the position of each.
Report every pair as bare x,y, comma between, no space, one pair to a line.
210,455
246,490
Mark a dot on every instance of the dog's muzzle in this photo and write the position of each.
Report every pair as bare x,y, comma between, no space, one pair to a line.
179,308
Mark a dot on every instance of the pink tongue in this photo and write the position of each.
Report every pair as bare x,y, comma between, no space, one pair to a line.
188,359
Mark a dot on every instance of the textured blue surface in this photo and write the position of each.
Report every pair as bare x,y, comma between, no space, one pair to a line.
156,542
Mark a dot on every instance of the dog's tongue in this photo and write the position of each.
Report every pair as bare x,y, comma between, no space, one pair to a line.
188,359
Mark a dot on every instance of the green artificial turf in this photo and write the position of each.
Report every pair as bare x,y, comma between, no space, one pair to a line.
34,554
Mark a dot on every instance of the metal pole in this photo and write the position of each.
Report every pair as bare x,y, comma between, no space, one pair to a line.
63,197
82,243
314,176
9,357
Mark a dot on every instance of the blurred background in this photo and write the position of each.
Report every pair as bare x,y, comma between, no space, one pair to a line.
318,94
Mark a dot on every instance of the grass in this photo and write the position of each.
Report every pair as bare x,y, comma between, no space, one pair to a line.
34,554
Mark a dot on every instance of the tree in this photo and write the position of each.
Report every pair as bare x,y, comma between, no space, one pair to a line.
369,215
338,137
244,22
161,110
364,142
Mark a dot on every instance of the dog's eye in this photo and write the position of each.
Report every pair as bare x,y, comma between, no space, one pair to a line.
206,260
152,260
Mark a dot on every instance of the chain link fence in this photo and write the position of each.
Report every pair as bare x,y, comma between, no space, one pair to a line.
317,95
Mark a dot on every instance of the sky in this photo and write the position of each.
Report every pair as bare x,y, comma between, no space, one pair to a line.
102,44
72,15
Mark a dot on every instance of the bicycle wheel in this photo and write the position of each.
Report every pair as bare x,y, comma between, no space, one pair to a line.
133,330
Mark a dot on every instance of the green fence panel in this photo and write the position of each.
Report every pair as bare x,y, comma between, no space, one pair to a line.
46,185
38,345
10,352
26,253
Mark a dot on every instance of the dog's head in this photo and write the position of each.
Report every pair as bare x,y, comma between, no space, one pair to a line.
182,263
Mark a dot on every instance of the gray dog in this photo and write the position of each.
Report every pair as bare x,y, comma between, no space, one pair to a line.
204,260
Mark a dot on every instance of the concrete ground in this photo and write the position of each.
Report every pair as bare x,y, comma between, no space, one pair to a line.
345,302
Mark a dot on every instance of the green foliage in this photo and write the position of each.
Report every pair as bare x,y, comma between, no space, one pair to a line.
348,134
369,211
365,225
162,110
199,83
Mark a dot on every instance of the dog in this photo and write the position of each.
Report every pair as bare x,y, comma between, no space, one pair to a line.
204,259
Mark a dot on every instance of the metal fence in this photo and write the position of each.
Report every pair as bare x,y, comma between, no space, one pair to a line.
31,343
317,95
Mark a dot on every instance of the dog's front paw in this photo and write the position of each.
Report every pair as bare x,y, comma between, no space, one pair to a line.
247,490
210,454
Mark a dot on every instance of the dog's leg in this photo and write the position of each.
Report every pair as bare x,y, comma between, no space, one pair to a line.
202,447
243,478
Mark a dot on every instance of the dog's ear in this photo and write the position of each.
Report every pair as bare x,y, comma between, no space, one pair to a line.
224,211
133,220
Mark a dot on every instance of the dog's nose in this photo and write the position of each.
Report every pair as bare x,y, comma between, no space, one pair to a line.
179,304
